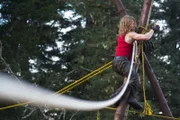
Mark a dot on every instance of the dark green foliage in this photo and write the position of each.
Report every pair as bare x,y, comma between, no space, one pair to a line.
168,45
29,44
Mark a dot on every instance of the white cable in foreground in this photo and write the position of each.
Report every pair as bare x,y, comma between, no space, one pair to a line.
26,92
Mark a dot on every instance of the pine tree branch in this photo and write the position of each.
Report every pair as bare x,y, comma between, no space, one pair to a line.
4,63
86,69
73,115
29,114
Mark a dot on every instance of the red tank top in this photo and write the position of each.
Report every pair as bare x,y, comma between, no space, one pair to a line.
123,48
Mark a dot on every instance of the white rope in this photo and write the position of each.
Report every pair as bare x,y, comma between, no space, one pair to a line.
11,89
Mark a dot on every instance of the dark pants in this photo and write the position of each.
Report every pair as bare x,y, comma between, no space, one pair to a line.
121,65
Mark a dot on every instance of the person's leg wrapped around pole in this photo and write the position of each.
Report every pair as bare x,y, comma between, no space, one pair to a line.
121,65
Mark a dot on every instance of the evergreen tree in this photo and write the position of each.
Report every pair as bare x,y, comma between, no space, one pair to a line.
45,47
167,52
29,36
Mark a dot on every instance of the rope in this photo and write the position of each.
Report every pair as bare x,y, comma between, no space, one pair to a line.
38,95
147,107
80,82
98,115
152,115
66,89
144,30
147,110
85,78
69,87
15,105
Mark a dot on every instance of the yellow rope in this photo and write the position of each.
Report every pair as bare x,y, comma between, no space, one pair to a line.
152,115
82,81
69,87
147,107
145,28
15,105
86,77
139,45
98,115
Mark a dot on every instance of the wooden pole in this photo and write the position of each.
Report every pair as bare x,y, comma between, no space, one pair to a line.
145,13
120,8
144,20
155,85
121,111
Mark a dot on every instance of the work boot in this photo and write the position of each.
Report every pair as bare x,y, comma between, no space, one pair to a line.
134,103
133,87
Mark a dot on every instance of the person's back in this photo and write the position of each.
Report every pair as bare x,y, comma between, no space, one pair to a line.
123,48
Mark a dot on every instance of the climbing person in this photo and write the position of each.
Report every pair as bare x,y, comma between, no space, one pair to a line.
121,61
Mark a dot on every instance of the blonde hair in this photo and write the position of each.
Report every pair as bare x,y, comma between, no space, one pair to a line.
125,24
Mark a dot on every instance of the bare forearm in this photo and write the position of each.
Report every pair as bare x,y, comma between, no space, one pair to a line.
149,34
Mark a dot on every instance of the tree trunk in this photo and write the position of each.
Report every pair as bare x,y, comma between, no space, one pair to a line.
121,111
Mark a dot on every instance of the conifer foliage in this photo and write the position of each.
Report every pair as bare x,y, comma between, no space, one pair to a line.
52,43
